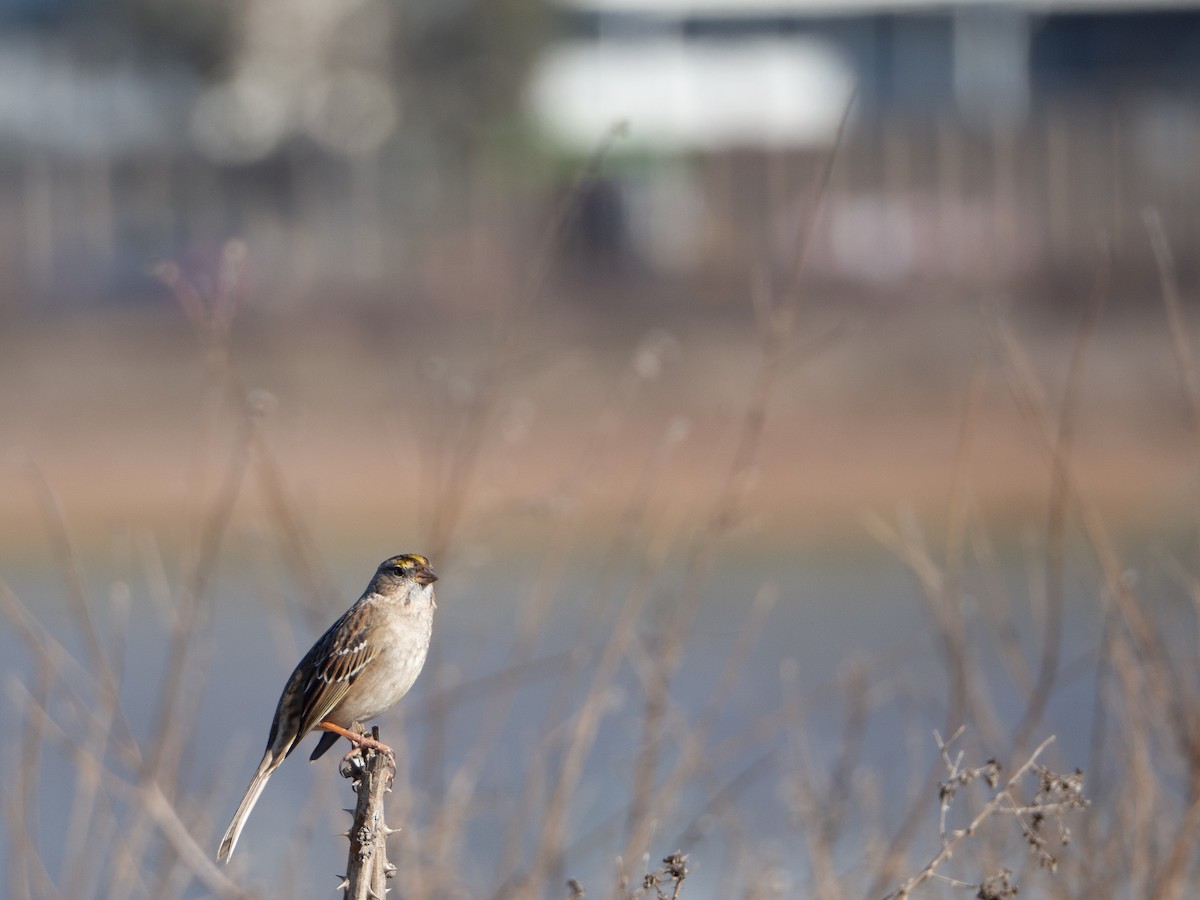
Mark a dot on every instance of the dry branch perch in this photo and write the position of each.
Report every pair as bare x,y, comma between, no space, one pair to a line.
1057,794
367,866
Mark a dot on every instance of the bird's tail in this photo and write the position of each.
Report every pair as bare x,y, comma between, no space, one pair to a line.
270,762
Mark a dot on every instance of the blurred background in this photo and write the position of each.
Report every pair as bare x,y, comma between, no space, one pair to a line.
553,289
389,167
384,151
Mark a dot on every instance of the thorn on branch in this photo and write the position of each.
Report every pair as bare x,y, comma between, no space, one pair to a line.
999,887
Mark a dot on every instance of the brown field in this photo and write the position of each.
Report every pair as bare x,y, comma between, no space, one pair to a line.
370,418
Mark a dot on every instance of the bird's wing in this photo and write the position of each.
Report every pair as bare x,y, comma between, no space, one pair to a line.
340,656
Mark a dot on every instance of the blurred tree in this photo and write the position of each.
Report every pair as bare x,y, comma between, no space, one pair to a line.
199,33
462,64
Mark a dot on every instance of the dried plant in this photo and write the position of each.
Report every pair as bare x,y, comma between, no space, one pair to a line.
1055,796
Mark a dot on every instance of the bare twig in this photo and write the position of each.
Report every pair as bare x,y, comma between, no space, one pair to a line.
952,841
1059,508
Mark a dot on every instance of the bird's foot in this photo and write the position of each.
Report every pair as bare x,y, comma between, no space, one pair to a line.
361,741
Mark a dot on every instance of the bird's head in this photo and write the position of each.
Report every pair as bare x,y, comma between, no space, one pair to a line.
399,570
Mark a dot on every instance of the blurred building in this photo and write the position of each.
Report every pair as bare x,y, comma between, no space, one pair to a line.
366,149
999,138
690,74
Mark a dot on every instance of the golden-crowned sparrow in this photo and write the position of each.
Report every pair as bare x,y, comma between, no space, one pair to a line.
360,668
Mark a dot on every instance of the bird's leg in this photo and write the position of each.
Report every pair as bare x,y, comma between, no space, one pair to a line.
360,740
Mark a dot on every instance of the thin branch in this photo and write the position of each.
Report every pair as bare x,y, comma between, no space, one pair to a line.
951,845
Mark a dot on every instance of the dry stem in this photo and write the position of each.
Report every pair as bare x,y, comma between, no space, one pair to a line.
367,866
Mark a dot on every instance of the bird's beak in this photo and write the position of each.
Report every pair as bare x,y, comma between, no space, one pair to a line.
424,575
